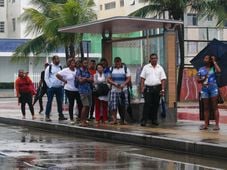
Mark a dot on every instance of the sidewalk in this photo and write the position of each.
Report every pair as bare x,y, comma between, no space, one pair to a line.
183,136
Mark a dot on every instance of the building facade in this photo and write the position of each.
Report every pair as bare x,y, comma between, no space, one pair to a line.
132,52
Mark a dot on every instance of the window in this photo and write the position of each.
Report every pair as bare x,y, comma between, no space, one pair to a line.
100,7
225,23
122,3
192,19
2,3
14,24
110,5
2,27
209,18
192,48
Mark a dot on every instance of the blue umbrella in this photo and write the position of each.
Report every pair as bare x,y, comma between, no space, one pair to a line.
163,107
218,49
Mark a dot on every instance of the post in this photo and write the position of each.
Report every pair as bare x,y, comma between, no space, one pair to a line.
170,57
107,46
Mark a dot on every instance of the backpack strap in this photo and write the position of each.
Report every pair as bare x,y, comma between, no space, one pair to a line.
50,68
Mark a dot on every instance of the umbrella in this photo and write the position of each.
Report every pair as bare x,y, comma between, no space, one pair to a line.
218,49
163,107
37,95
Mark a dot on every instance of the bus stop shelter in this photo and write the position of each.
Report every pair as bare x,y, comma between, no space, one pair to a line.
124,24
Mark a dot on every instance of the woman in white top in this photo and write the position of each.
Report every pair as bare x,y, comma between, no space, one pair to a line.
101,102
67,75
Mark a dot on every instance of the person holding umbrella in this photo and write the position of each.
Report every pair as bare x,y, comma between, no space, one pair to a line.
42,89
207,77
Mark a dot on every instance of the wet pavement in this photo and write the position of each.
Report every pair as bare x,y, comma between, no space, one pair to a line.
183,136
23,148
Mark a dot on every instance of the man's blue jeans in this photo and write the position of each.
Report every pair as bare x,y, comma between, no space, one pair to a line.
58,91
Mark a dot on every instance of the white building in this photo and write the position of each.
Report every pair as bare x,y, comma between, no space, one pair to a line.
11,28
10,25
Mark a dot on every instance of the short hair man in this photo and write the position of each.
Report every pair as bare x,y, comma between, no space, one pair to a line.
119,79
152,86
55,87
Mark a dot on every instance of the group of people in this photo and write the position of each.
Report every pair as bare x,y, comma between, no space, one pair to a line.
83,81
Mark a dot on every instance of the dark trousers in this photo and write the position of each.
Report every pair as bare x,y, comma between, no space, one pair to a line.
58,92
92,108
43,91
26,98
72,95
151,102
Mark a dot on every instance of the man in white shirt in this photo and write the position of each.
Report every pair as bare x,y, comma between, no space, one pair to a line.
55,87
152,86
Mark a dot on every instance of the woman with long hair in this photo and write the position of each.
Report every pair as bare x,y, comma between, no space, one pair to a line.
209,92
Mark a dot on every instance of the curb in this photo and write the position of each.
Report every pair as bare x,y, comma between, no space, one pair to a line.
166,143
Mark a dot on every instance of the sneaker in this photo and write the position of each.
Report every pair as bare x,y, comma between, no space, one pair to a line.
91,118
155,122
72,122
143,123
122,122
62,118
47,119
40,111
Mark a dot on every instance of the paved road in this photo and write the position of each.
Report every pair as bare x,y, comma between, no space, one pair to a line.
184,135
22,148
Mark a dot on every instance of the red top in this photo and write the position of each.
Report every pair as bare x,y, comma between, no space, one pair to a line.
24,84
92,71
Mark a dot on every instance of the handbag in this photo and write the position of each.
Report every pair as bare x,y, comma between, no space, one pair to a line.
102,89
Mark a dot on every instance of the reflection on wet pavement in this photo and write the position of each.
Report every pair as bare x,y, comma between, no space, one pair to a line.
21,148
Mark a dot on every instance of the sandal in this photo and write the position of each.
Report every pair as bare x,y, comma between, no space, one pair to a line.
203,127
216,128
113,122
83,124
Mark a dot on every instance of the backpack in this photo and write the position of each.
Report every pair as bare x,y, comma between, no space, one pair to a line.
50,68
129,85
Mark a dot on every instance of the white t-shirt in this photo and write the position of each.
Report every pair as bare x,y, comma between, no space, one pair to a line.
153,75
69,76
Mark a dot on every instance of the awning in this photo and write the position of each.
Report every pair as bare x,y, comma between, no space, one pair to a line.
120,24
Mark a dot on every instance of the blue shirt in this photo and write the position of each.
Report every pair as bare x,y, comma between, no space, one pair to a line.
84,88
210,76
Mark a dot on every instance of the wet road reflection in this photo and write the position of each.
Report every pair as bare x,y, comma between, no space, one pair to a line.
21,148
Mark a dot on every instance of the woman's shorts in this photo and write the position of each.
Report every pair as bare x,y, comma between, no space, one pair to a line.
208,91
85,99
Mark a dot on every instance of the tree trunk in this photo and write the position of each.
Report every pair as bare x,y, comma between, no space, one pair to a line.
66,53
180,31
72,50
81,50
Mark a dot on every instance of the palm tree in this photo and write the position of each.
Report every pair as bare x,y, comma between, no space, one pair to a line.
176,10
45,21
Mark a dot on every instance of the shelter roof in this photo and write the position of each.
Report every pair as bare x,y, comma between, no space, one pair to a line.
118,25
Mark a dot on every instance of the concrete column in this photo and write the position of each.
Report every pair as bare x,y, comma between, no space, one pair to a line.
107,47
171,71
